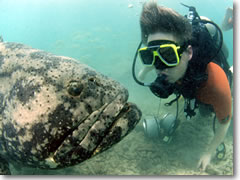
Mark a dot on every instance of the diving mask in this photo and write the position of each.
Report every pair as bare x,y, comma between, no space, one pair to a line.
161,53
158,84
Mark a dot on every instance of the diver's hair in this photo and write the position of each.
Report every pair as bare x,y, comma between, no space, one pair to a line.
156,18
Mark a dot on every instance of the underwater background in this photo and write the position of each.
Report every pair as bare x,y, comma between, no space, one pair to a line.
105,35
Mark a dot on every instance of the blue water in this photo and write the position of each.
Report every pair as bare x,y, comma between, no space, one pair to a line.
101,33
105,30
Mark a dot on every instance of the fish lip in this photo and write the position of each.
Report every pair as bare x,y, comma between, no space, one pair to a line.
121,106
119,122
111,136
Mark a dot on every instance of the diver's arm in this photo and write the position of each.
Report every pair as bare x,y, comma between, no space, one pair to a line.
219,135
218,138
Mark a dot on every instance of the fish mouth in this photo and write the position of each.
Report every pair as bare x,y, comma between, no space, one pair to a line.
100,131
124,123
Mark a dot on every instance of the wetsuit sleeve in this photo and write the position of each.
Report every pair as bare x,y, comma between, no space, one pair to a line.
216,91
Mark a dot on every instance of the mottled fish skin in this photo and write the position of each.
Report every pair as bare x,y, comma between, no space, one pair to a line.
4,167
56,112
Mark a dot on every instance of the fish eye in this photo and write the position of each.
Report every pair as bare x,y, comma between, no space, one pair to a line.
74,88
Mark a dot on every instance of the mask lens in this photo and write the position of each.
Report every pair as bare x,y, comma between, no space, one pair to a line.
168,55
146,56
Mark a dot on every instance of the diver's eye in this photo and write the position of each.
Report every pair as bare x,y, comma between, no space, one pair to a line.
74,88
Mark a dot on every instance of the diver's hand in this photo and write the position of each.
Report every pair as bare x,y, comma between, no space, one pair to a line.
204,161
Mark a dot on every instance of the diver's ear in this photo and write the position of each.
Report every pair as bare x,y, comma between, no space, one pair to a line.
189,52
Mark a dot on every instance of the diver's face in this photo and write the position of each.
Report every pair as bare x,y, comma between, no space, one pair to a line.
173,73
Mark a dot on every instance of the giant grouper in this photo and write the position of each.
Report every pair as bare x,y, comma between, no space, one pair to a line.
55,111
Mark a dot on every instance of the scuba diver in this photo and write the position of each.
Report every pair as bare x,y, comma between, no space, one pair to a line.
189,59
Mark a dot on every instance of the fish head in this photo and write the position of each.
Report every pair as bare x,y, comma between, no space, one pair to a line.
59,112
